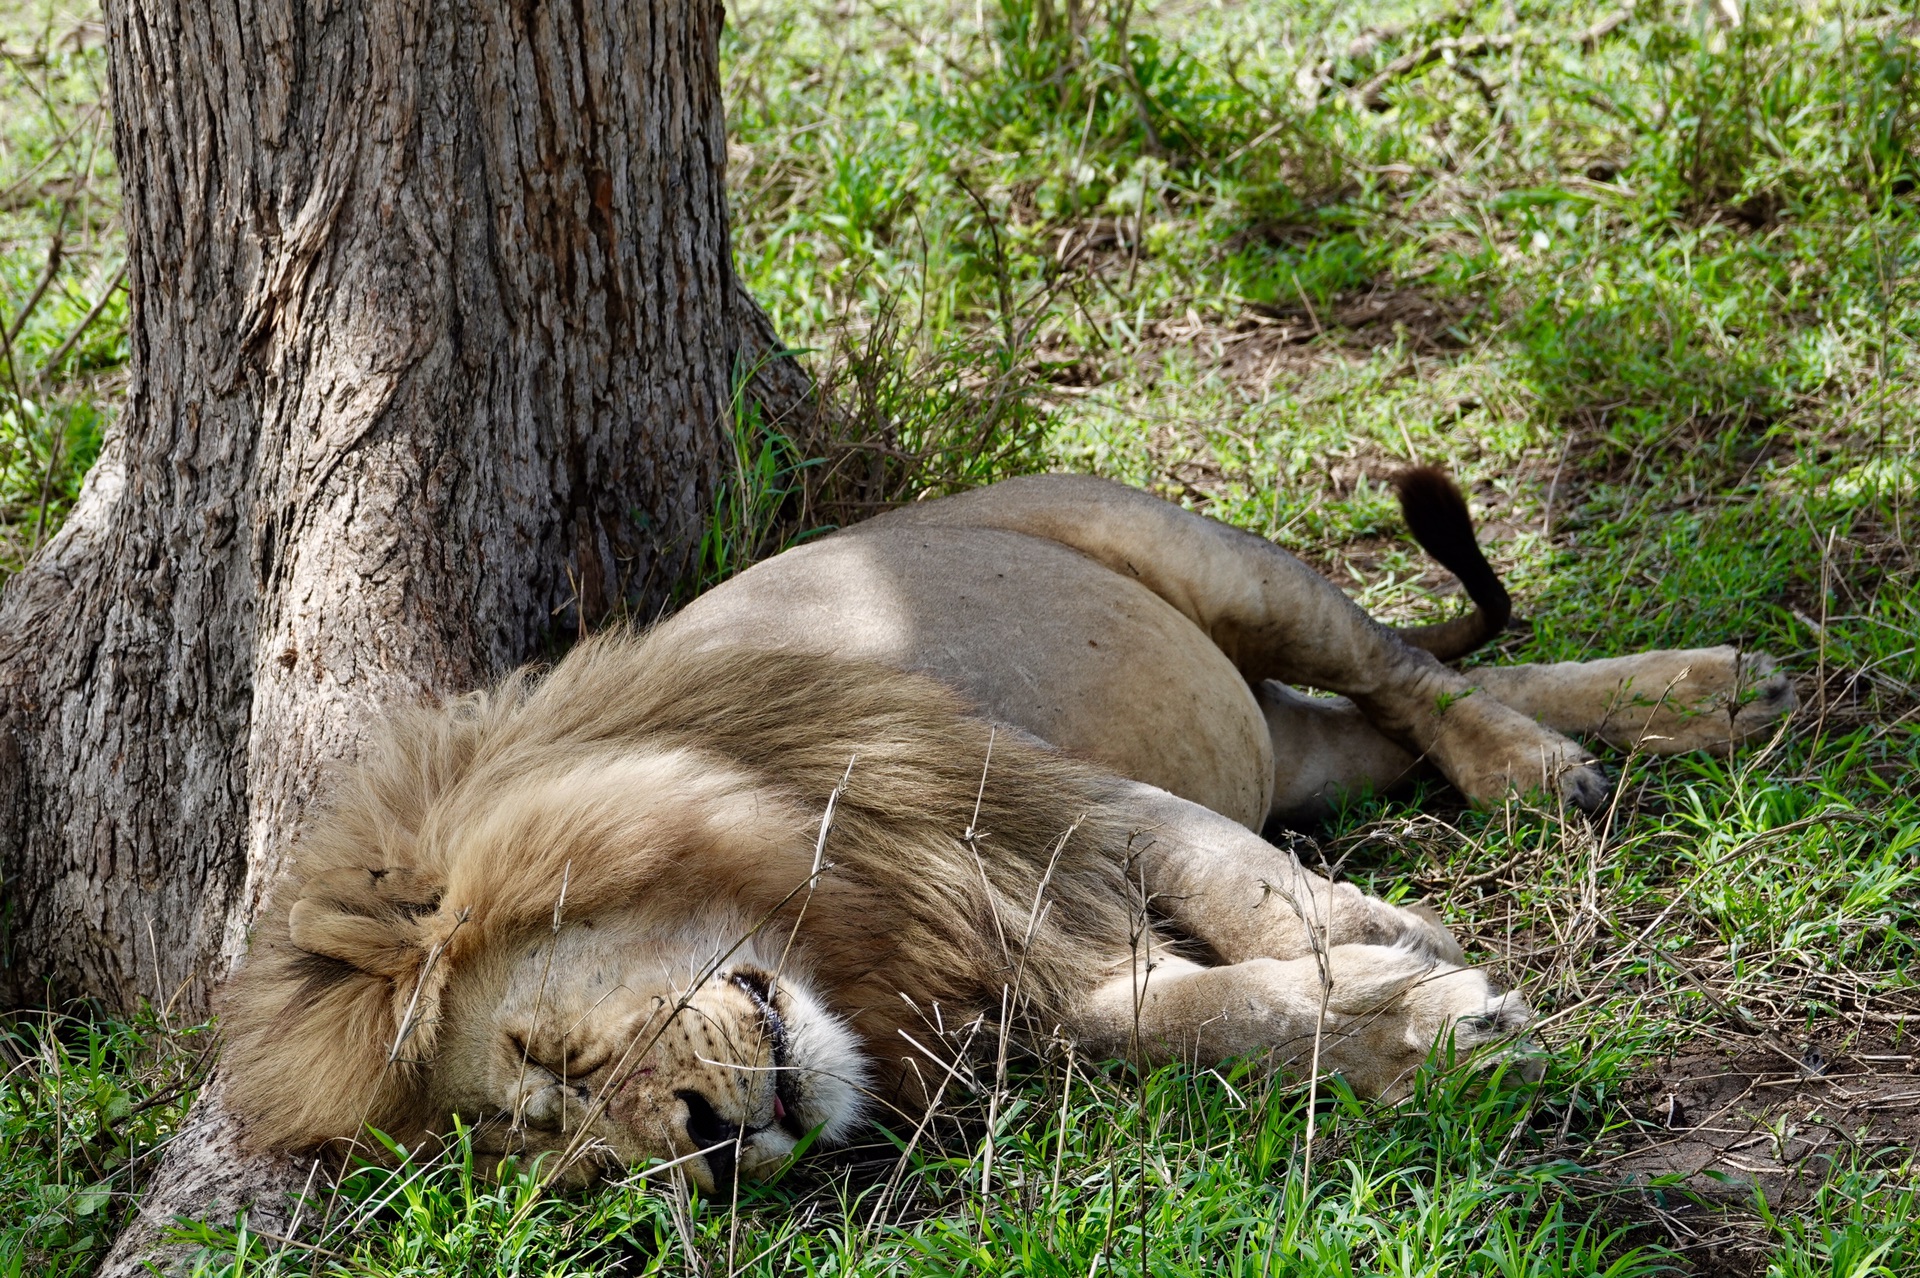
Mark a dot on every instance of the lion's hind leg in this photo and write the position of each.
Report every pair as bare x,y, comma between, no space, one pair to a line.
1324,748
1276,618
1666,702
1371,1013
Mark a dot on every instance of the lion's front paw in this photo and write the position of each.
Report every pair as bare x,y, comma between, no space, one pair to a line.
1390,1007
1700,699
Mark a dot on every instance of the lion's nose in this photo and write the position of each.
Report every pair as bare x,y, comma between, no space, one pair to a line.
715,1136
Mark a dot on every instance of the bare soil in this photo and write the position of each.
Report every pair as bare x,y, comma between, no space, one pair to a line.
1720,1124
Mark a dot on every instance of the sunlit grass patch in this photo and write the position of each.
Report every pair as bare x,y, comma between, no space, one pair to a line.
63,306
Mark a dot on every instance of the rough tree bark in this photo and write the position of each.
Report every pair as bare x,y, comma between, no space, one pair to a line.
434,335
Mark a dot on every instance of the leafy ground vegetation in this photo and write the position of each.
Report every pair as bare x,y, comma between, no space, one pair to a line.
1644,277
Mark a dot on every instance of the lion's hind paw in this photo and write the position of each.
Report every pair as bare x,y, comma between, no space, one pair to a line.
1708,699
1490,751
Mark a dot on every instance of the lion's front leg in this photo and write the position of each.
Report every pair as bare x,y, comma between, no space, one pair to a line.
1244,898
1371,1013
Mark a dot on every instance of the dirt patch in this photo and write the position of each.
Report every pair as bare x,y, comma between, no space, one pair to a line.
1716,1123
1719,1123
1253,352
1268,343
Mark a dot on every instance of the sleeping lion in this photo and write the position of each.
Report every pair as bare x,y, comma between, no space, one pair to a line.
1000,758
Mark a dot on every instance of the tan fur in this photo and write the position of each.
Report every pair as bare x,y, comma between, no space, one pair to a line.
501,800
582,910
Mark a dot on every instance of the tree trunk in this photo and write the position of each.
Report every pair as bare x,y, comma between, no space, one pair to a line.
435,334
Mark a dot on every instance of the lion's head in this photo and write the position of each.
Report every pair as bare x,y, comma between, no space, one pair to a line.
616,1042
595,915
609,1010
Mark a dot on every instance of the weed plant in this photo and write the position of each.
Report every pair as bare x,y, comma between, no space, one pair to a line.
1644,277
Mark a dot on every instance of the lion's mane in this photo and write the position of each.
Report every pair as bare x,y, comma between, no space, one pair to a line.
638,771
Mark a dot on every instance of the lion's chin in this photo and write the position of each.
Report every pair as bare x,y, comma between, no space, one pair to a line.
826,1077
821,1095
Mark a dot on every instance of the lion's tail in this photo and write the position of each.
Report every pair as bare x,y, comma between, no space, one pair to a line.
1436,515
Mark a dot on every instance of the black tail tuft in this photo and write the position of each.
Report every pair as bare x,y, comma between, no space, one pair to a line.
1436,515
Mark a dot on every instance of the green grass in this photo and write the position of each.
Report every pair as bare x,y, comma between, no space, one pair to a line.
1653,297
63,309
83,1107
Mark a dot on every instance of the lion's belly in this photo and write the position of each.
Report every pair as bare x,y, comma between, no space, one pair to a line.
1038,636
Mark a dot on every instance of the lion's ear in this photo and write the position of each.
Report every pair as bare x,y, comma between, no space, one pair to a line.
366,917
